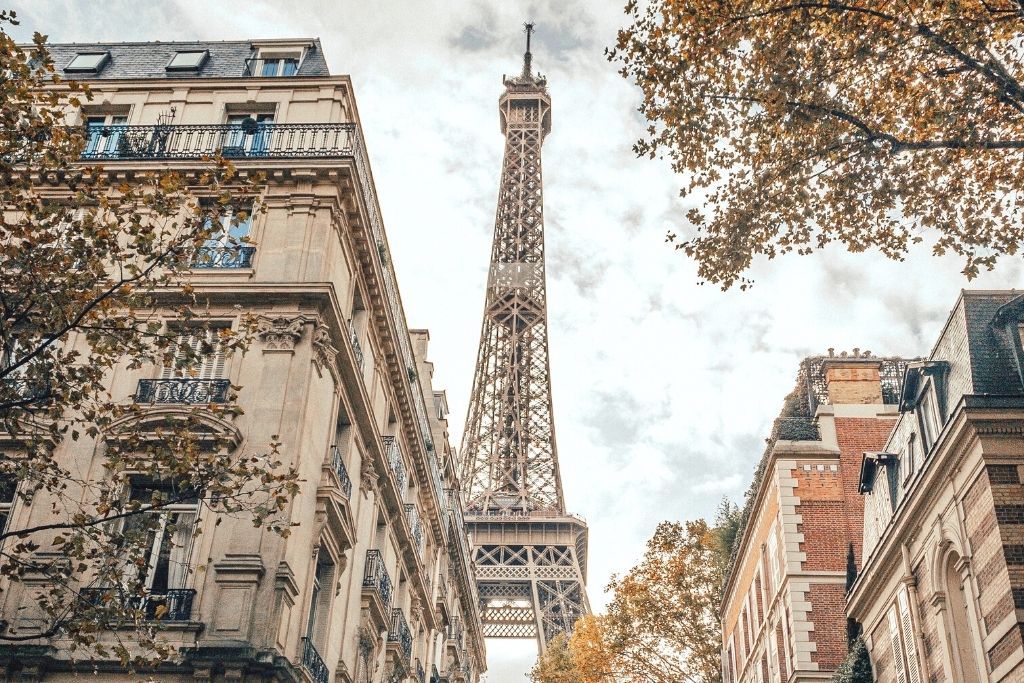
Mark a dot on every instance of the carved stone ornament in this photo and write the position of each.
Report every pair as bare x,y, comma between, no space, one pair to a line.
280,334
367,477
323,351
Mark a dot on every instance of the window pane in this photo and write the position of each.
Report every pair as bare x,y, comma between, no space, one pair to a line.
270,67
187,60
87,62
290,67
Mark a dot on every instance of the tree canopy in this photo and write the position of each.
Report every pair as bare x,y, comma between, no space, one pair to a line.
91,273
871,123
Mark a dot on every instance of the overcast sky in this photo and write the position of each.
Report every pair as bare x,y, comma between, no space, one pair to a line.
664,390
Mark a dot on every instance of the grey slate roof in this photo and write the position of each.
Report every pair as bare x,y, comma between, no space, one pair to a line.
149,60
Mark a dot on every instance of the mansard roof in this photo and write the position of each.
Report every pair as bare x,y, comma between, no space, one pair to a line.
226,59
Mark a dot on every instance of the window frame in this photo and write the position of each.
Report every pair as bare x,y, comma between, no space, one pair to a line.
160,537
203,56
101,63
928,419
210,367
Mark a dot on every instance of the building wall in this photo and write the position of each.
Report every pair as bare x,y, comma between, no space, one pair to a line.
948,535
809,500
318,286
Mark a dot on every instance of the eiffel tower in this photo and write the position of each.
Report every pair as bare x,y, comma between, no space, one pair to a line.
530,555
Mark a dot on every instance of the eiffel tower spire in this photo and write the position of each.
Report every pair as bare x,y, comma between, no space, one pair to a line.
530,555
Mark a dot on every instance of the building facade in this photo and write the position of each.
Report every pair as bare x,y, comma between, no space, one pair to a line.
941,593
783,607
375,582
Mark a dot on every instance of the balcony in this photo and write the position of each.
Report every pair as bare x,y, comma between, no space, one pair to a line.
246,139
375,577
172,605
421,673
313,663
356,347
182,390
338,467
400,634
413,515
394,457
223,257
435,675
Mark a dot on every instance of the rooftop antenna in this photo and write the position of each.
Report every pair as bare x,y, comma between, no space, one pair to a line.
528,58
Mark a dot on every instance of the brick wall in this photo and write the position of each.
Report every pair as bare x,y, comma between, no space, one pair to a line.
996,516
855,435
828,608
881,654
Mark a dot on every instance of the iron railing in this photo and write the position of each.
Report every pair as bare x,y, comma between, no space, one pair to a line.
413,515
375,576
338,467
313,662
356,347
421,674
174,604
223,257
182,390
435,675
237,140
400,633
394,456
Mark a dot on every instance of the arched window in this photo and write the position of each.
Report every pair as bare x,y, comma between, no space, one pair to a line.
960,630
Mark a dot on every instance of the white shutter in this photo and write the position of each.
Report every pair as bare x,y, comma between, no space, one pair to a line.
897,646
909,643
210,366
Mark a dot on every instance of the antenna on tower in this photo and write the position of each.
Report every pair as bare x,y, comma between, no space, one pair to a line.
528,58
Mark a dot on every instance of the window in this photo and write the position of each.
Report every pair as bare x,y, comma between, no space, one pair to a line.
166,533
187,60
280,67
248,134
928,418
104,135
198,354
88,61
901,635
8,487
227,245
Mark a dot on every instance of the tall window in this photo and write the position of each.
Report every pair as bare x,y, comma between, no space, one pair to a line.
320,601
8,487
901,636
928,418
104,133
248,134
227,245
167,532
281,66
961,631
198,355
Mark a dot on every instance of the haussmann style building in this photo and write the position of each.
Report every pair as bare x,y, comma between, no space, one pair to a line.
376,582
940,595
783,617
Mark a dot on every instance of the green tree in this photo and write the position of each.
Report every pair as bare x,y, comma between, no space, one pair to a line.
90,273
869,123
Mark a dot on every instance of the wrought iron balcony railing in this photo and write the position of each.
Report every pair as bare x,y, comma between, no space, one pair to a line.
413,515
241,140
421,674
171,605
394,456
435,675
313,662
356,347
400,633
375,576
238,256
182,390
338,467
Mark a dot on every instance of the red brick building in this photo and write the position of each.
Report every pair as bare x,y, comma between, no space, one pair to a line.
783,612
941,593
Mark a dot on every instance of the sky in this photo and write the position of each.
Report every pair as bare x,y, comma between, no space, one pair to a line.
664,390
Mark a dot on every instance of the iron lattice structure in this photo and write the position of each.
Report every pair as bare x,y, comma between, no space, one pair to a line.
530,555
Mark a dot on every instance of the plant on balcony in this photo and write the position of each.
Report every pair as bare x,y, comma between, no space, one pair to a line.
83,266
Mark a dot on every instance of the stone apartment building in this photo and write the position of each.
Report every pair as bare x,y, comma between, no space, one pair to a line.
783,607
375,583
940,596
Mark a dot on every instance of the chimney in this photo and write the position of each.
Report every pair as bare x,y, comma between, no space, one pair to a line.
853,379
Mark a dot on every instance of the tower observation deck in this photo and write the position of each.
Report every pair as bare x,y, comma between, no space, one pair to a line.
530,555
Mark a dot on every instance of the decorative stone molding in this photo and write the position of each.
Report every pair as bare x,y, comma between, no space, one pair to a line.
324,352
281,333
368,477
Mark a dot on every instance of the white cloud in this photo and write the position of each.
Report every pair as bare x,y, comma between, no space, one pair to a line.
664,391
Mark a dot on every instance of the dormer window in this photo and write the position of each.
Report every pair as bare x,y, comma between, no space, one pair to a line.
191,60
272,60
86,62
279,66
